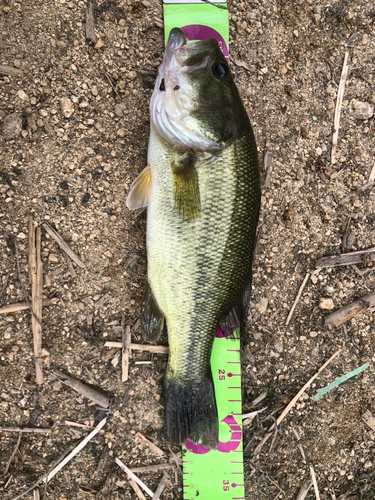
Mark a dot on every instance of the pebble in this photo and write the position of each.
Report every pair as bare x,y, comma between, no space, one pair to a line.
67,107
285,399
61,44
326,303
22,95
53,258
122,22
262,305
33,101
314,334
367,464
43,113
132,75
94,90
361,110
17,63
119,109
12,126
99,44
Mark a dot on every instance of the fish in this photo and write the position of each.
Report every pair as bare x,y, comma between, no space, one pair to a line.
201,189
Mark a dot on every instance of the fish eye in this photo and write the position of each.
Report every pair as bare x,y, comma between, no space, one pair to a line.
162,86
220,70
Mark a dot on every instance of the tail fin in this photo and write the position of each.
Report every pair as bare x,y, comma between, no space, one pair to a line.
190,411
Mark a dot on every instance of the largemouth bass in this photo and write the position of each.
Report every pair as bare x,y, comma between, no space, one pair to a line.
202,193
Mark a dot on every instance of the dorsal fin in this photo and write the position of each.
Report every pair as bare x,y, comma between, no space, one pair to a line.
139,194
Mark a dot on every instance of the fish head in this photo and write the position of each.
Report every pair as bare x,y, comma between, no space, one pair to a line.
195,102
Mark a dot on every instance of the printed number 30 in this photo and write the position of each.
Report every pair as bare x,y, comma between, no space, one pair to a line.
225,483
221,375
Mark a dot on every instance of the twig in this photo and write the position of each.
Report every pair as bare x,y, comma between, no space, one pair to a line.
36,430
302,453
372,174
143,440
215,5
90,27
297,299
76,450
340,96
267,159
36,494
12,455
66,248
140,347
161,487
305,488
273,439
137,490
255,402
275,483
9,71
293,402
71,270
133,476
347,259
76,424
153,468
36,300
354,194
86,390
313,478
249,417
111,84
22,306
126,339
351,310
102,461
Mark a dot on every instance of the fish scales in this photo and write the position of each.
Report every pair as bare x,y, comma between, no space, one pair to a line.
202,192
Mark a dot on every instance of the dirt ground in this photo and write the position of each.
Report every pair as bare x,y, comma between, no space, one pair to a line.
68,157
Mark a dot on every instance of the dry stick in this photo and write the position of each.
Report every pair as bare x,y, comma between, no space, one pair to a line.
139,347
12,455
90,27
66,248
137,490
313,477
215,5
76,424
71,270
297,299
347,312
372,174
305,488
143,440
9,71
22,306
86,390
133,476
76,450
36,430
340,96
346,259
36,494
152,468
161,487
111,84
354,194
36,300
293,402
126,339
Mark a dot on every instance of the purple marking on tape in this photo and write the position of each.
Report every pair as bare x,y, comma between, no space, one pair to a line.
202,32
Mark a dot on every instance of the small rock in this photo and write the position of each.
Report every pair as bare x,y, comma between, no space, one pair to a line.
83,104
53,258
132,75
94,90
326,303
22,95
6,9
61,44
314,334
304,132
12,126
67,107
262,305
295,33
119,109
99,44
283,70
285,399
122,22
367,464
17,63
56,386
33,101
361,110
43,112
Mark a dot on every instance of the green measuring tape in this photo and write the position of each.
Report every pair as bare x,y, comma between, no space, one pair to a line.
213,474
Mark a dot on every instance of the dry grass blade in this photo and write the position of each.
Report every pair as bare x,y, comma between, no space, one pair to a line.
137,490
313,477
161,487
340,96
76,450
293,402
351,310
134,477
36,430
63,245
36,301
126,339
143,440
12,455
153,468
36,494
22,306
158,349
297,299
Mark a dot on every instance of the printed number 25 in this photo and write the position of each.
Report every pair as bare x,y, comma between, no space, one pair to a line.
221,375
225,487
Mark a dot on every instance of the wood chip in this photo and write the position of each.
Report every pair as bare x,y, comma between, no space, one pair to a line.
66,248
137,490
86,390
340,96
161,487
369,419
90,25
351,310
22,306
9,71
293,402
134,477
36,271
347,259
305,488
313,477
76,450
143,440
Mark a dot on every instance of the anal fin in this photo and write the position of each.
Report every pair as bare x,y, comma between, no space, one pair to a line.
152,317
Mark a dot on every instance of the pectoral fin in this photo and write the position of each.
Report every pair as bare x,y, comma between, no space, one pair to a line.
152,317
185,186
140,190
